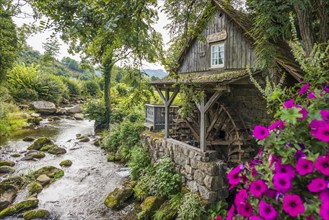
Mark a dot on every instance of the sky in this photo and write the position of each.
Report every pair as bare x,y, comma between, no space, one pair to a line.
36,40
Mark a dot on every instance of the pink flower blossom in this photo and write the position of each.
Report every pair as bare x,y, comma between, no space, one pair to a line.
289,104
267,211
244,209
230,213
325,88
324,210
240,197
285,169
324,114
320,130
282,182
304,113
293,205
304,166
273,159
234,176
255,217
219,218
324,195
271,193
260,132
257,188
311,95
322,165
299,154
316,185
277,124
304,89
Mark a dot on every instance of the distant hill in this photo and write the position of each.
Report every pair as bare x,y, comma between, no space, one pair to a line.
156,73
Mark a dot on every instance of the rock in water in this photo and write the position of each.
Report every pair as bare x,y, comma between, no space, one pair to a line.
39,143
36,214
66,163
43,179
7,163
34,188
50,171
84,139
78,116
19,207
44,107
31,155
150,205
8,193
56,150
75,109
116,199
6,169
28,139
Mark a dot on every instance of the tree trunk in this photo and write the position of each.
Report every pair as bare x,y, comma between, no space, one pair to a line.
305,28
107,86
323,17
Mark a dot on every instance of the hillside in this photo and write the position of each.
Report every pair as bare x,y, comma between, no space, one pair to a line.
155,73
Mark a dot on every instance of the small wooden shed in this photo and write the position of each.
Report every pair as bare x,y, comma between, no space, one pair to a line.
155,116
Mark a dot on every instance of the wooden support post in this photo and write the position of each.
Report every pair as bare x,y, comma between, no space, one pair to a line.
203,108
167,101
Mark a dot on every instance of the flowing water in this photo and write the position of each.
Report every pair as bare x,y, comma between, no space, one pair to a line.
80,194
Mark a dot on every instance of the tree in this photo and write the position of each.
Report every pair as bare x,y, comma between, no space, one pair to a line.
106,31
9,40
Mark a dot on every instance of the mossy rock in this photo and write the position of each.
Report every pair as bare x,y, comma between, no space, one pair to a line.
111,158
48,147
7,163
6,169
19,207
15,155
28,139
116,199
36,214
150,205
31,155
66,163
39,143
8,193
17,181
57,150
34,188
84,139
167,212
52,172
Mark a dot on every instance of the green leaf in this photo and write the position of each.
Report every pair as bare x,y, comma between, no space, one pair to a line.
290,115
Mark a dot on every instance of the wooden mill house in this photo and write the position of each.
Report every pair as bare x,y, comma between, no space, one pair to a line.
216,63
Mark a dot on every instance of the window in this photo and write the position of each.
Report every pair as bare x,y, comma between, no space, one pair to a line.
217,55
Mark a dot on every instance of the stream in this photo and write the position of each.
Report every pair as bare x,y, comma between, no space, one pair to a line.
81,192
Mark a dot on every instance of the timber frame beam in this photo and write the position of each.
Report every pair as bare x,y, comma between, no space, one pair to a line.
167,101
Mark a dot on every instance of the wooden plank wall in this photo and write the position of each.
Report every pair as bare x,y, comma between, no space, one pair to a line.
238,51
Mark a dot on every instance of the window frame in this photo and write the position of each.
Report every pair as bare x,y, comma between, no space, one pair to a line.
211,55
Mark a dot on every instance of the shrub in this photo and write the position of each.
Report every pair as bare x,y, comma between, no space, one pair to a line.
191,207
91,88
73,86
54,88
94,109
11,118
139,161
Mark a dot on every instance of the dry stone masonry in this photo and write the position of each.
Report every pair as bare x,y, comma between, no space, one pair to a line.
202,172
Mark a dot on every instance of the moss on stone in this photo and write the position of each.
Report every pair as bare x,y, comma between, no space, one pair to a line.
47,147
117,198
111,158
7,163
19,207
52,172
28,139
17,181
39,143
15,155
34,188
150,205
34,214
66,163
57,150
59,174
166,212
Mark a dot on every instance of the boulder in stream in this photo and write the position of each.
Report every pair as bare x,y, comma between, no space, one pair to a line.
36,214
28,139
43,179
6,169
15,155
57,150
7,163
75,109
44,107
66,163
34,188
116,199
78,116
32,155
8,193
50,171
39,143
84,139
19,207
149,206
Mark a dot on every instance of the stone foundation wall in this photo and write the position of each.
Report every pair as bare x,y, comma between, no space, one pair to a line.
201,171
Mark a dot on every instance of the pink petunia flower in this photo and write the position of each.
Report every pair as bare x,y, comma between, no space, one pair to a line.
240,197
273,159
277,125
230,213
324,114
282,182
316,185
304,166
219,218
289,104
320,130
324,195
255,217
285,169
244,209
260,132
304,89
257,188
271,193
234,176
324,210
293,205
322,165
267,211
311,95
304,113
325,87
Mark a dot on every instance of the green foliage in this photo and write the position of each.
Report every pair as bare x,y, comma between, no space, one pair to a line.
91,88
54,88
73,85
217,209
11,118
94,109
191,207
139,161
